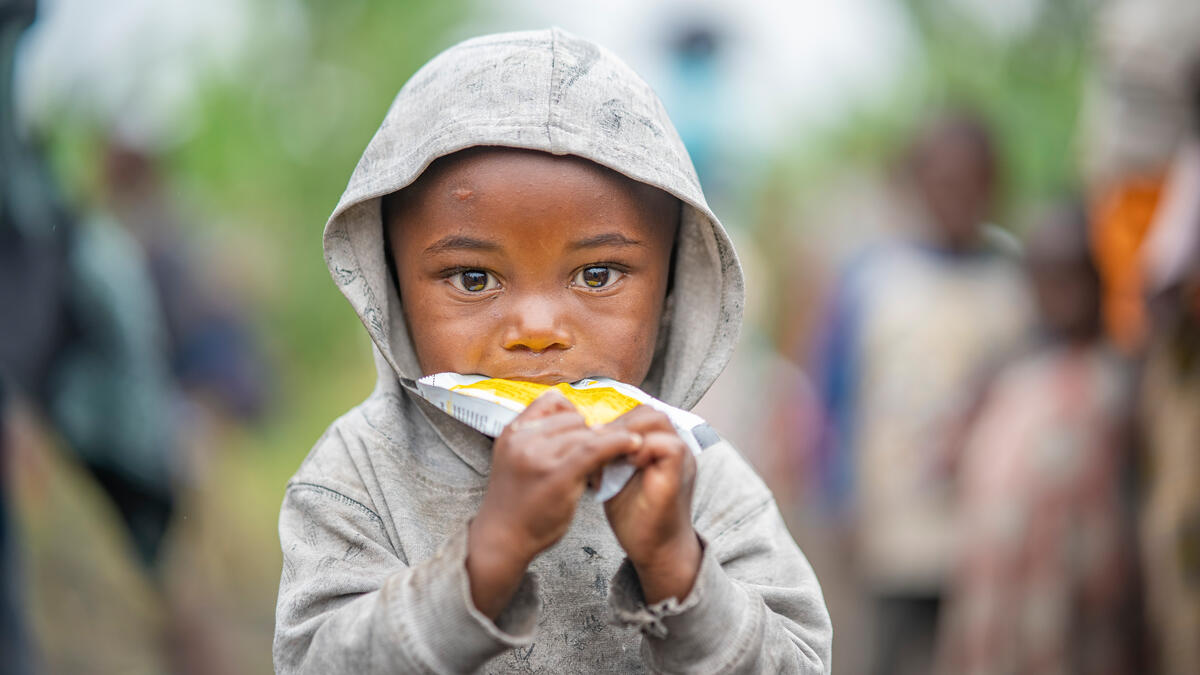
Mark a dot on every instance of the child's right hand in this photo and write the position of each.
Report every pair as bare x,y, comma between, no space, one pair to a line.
540,466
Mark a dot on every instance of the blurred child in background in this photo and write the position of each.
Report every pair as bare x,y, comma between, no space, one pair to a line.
1043,580
913,324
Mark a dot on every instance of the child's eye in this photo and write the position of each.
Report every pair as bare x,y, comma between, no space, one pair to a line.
597,276
473,281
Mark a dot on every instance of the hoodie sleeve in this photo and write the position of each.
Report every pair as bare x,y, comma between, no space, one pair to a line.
349,604
756,605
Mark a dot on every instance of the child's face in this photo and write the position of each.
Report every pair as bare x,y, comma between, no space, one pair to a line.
524,265
1064,279
954,172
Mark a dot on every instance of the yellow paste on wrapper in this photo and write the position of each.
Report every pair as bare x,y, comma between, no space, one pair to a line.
598,405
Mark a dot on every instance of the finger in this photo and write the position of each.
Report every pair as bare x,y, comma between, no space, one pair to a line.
643,419
596,476
549,403
570,441
548,425
641,457
599,449
657,446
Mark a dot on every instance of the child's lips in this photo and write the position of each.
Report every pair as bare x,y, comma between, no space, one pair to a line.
542,378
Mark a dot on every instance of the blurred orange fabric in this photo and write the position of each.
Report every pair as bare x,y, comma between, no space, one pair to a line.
1121,219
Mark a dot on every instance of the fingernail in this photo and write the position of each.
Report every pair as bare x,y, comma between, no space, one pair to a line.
636,441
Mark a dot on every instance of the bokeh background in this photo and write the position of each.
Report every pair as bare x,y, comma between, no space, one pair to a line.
206,143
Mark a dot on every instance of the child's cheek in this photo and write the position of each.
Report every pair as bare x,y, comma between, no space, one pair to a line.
443,344
628,346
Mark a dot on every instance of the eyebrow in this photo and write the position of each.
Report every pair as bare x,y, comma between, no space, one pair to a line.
456,242
606,239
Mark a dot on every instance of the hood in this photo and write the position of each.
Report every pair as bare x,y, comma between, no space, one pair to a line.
550,91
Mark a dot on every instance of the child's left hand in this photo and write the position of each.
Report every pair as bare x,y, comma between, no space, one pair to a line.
651,516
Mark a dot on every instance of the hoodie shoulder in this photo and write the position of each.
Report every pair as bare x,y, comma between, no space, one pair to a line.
728,491
385,450
359,442
332,464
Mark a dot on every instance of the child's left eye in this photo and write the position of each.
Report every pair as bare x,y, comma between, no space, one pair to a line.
597,276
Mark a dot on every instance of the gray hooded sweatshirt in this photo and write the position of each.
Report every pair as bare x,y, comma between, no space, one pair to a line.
374,523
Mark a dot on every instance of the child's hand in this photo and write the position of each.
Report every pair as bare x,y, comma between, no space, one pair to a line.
651,517
540,466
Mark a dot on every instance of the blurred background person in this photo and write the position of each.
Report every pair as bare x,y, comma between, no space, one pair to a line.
82,329
214,373
1044,579
80,348
71,345
212,353
31,270
1135,117
106,336
914,323
1170,412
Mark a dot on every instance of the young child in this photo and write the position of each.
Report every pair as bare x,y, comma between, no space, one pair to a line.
527,211
914,321
1044,579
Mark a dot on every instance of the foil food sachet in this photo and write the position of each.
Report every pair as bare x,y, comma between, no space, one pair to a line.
488,405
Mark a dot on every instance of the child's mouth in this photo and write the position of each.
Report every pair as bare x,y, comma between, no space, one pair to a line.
540,378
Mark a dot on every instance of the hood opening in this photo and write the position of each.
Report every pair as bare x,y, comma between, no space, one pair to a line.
552,92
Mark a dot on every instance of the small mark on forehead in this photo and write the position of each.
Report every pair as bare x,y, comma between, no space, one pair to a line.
463,194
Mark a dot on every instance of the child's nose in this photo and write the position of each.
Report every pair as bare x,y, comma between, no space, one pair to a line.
536,325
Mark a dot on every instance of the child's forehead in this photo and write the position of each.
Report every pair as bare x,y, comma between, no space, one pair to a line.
489,163
490,176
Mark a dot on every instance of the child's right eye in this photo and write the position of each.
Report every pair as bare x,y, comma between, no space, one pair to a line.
473,281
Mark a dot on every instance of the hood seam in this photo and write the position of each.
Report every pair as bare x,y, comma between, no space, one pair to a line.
550,88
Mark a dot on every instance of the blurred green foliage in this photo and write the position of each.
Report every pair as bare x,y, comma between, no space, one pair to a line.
1028,85
277,144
